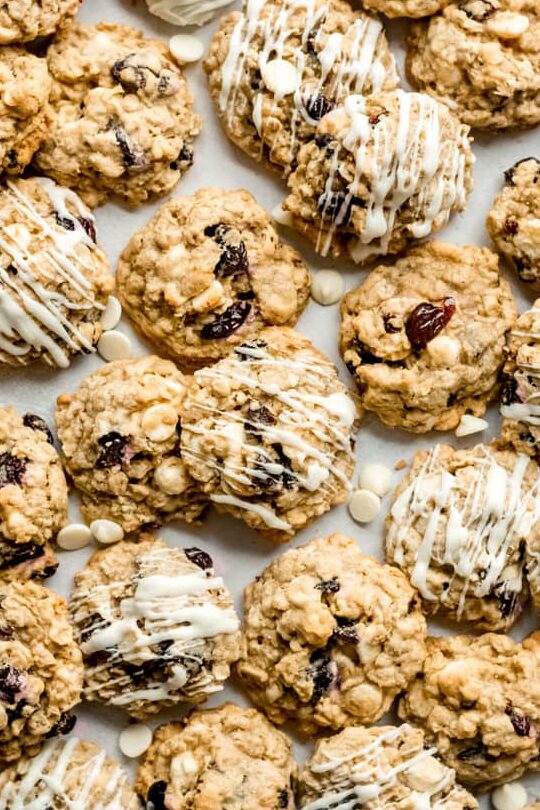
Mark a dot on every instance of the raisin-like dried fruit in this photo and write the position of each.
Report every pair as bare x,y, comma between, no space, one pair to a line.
114,449
338,205
245,356
65,725
511,226
18,553
478,10
184,159
389,327
89,227
321,672
328,585
35,422
11,156
520,722
218,232
258,415
345,630
200,558
323,141
285,477
227,322
426,321
128,74
374,119
132,154
366,355
67,223
246,295
318,106
12,469
155,798
12,681
474,752
509,603
509,392
283,798
509,173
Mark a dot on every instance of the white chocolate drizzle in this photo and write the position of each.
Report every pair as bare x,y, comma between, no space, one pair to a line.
32,315
526,377
177,610
481,518
51,773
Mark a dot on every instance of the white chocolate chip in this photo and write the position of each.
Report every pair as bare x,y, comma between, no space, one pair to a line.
114,345
377,478
74,536
159,422
444,350
327,287
186,48
134,740
470,424
508,24
511,796
364,505
282,217
112,313
171,476
280,77
106,531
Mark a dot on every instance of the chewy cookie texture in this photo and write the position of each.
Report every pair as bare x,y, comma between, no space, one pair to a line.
25,20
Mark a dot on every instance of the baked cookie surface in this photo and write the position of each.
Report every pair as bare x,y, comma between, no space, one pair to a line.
481,57
64,773
209,272
120,435
156,627
25,20
514,220
380,171
379,767
424,338
225,757
405,8
41,669
276,68
269,431
121,119
477,701
330,636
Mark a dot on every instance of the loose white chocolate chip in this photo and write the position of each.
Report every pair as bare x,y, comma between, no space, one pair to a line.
74,536
511,796
282,217
106,532
186,48
377,478
364,505
114,345
444,350
280,77
508,24
171,476
134,740
159,422
470,424
111,314
327,287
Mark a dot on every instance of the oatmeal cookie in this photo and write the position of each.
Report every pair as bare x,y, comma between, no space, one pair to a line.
380,767
477,701
379,172
458,527
226,757
405,8
481,57
121,119
514,220
41,669
276,68
424,338
33,496
120,437
330,636
63,774
25,20
207,273
54,278
268,432
156,626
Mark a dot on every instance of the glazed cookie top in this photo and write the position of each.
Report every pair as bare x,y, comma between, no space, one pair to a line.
276,68
208,272
69,773
425,337
226,757
379,767
330,636
156,626
406,8
379,172
40,668
458,527
481,57
25,20
269,433
122,119
54,277
477,701
120,435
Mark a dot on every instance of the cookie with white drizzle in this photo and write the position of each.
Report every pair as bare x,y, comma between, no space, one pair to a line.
54,279
70,773
25,20
406,8
477,701
269,433
121,119
226,757
382,767
459,526
381,171
331,636
156,626
277,67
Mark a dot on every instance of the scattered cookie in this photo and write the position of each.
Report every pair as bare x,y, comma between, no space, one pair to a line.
330,636
229,755
121,118
425,337
209,272
25,20
405,8
269,432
